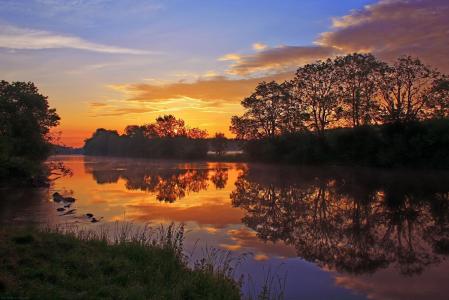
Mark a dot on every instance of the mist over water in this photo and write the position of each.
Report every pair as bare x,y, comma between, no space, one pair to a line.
339,233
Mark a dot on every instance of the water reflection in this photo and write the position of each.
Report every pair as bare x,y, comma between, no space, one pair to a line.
360,230
168,184
354,221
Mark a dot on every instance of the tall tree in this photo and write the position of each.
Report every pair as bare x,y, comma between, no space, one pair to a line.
25,123
265,112
318,85
405,90
359,76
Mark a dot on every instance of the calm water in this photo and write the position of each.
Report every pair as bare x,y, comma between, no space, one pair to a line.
338,233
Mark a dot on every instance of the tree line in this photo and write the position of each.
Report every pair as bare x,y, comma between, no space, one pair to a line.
167,137
348,91
354,104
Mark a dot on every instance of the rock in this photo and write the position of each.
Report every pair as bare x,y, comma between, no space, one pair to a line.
89,215
69,199
67,205
60,209
69,212
94,220
57,197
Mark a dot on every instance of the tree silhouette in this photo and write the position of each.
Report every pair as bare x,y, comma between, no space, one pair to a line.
25,123
318,85
168,137
359,77
219,143
406,89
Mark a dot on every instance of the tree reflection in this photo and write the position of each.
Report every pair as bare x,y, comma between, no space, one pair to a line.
220,177
167,183
355,221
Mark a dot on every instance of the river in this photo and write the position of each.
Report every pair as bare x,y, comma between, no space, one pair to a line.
331,232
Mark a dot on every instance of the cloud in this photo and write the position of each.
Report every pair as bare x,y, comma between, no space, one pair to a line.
259,46
208,93
98,104
388,28
431,284
120,111
394,28
277,59
82,12
203,214
12,37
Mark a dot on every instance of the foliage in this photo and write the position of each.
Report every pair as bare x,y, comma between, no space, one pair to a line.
406,89
417,144
219,143
358,89
25,123
395,114
317,85
348,91
168,137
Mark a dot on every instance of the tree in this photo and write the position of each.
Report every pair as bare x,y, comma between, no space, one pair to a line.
405,90
196,133
104,142
440,98
168,137
219,143
318,86
168,126
25,123
266,113
359,75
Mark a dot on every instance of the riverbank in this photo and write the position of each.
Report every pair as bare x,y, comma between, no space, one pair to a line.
38,264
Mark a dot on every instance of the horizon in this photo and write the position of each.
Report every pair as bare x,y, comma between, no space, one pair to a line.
105,64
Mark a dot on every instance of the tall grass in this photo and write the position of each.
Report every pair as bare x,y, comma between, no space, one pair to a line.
221,264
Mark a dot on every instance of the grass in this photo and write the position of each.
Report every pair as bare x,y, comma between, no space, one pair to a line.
127,263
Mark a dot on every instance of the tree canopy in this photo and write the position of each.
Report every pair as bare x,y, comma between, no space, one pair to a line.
347,91
25,123
167,137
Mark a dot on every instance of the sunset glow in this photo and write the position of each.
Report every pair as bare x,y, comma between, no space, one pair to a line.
110,64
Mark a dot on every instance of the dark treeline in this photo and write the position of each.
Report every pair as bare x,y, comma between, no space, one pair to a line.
350,220
25,123
387,114
168,137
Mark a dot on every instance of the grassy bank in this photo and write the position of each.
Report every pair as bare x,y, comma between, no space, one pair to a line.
43,264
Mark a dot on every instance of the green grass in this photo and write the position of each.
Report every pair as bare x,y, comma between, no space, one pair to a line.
50,264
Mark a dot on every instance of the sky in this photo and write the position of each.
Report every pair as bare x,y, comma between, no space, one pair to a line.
108,64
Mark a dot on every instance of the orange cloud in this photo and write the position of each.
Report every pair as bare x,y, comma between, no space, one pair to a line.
277,59
214,91
203,215
389,29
